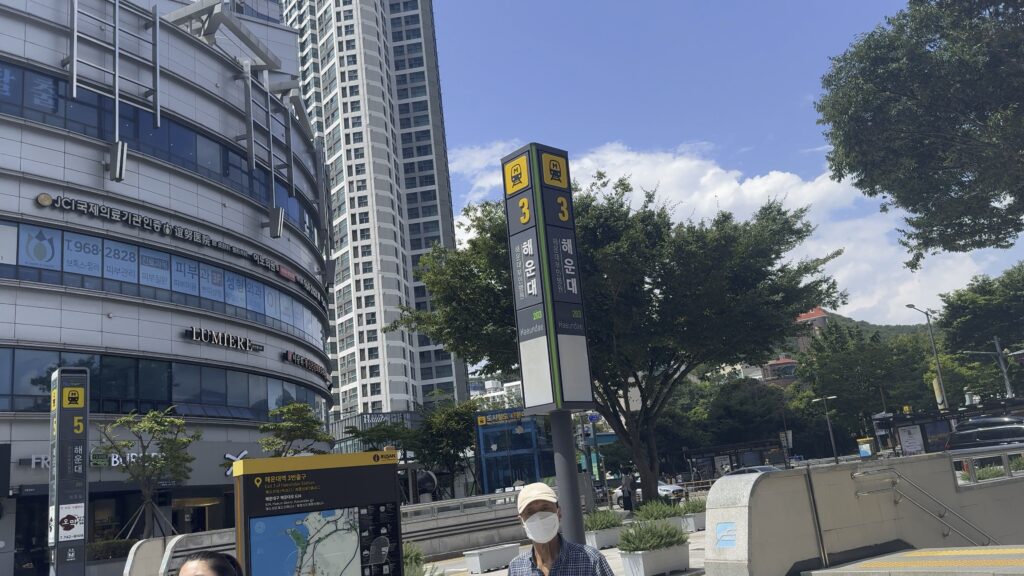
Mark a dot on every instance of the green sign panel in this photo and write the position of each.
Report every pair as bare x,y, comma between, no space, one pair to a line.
548,294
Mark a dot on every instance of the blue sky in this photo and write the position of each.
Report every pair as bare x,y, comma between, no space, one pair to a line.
711,102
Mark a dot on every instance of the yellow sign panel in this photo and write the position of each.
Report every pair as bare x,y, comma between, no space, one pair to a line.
517,175
53,400
319,462
73,397
554,170
481,420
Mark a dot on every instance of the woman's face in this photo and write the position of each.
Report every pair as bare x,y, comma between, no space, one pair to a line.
195,568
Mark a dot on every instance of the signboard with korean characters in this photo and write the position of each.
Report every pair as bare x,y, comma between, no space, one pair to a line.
546,284
69,469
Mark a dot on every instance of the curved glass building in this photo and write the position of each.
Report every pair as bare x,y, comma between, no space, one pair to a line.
162,224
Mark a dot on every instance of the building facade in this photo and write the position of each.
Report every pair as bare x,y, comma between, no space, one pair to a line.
162,223
370,84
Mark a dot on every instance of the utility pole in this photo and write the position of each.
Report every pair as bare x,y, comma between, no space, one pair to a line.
942,402
828,422
1002,367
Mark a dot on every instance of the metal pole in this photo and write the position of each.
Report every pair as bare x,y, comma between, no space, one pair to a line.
831,436
944,405
566,475
1002,367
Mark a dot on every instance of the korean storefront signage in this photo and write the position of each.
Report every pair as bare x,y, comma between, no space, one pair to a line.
69,469
157,226
223,339
546,284
292,518
307,364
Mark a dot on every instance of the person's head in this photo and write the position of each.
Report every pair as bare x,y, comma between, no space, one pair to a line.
539,512
207,563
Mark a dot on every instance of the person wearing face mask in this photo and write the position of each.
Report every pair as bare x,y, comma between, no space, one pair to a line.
550,554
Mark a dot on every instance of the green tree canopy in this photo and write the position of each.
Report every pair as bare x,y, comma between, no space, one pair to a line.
925,112
987,307
152,450
445,438
294,430
662,298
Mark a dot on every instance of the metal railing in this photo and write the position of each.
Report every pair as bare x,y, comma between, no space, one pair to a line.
939,516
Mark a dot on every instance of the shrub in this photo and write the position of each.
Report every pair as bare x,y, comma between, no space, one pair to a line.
412,561
658,510
1017,464
695,506
989,473
601,520
641,536
108,549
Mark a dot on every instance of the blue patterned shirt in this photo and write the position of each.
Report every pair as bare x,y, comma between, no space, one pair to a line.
573,560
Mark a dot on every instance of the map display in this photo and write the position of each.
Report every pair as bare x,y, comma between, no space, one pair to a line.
324,543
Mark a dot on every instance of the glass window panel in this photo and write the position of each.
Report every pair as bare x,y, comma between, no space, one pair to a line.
6,358
42,99
152,140
234,289
154,268
214,386
272,299
185,387
90,114
118,378
211,282
184,275
39,247
120,261
155,380
8,243
258,393
254,299
275,393
76,360
32,369
286,309
11,78
237,388
210,156
289,393
83,254
182,145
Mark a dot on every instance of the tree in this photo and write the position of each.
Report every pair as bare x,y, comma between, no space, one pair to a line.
295,429
662,299
925,112
377,437
155,454
445,438
987,307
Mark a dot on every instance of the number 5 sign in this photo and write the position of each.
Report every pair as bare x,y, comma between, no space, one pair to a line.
69,484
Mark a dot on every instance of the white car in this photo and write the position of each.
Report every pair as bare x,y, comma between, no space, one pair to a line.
664,490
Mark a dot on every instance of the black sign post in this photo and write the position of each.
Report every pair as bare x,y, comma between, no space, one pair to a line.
69,469
333,514
548,296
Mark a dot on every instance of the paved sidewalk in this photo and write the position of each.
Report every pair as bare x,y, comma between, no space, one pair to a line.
457,566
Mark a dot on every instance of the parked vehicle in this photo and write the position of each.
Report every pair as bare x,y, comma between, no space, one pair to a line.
985,437
664,490
752,470
988,422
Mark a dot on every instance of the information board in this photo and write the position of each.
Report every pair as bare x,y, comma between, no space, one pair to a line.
69,482
334,514
546,284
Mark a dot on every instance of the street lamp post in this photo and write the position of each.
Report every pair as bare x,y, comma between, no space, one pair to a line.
828,422
942,402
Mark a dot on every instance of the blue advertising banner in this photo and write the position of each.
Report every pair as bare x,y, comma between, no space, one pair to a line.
184,275
83,254
254,295
39,247
154,268
234,289
286,309
211,282
272,301
120,261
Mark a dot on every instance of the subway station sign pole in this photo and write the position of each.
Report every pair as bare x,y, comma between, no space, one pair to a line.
69,469
548,294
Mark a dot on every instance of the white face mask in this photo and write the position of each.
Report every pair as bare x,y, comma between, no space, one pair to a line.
542,527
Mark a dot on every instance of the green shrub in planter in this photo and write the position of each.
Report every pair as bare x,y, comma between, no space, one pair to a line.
412,561
989,473
108,549
694,506
641,536
657,510
601,520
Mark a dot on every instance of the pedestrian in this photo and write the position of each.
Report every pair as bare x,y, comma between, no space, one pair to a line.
207,563
628,490
550,554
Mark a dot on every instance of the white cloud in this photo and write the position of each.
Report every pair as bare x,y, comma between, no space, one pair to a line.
871,269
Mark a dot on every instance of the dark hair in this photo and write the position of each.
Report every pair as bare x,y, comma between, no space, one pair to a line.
221,564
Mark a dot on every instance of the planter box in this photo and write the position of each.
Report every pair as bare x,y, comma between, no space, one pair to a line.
651,562
487,559
695,522
607,538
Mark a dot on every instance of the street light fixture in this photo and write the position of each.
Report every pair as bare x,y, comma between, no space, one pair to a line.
828,422
942,402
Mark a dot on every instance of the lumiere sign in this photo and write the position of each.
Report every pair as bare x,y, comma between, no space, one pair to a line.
223,339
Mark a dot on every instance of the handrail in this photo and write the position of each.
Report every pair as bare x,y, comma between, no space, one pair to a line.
945,508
